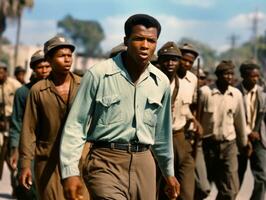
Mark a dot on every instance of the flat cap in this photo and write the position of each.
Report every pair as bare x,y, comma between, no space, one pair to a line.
3,65
224,65
117,49
188,48
37,56
19,69
57,41
169,48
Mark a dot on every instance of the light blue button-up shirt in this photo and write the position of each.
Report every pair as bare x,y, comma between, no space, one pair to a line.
109,107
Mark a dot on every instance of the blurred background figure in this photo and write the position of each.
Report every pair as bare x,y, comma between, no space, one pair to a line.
20,73
8,86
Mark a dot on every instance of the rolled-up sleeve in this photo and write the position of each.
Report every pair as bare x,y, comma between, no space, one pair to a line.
163,147
76,127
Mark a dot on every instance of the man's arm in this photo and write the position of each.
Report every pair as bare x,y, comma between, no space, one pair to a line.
27,143
76,127
74,136
163,146
15,127
240,122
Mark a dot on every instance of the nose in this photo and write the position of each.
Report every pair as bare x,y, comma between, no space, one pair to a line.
145,44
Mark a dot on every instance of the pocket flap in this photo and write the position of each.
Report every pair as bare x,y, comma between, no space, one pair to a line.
109,100
154,101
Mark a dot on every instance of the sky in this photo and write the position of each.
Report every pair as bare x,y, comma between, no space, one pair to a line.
208,21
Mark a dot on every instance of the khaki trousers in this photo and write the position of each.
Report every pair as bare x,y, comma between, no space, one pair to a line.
116,174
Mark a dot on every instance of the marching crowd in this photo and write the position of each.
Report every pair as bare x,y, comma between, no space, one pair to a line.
135,126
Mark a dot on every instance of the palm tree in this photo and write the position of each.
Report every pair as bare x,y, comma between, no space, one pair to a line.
13,9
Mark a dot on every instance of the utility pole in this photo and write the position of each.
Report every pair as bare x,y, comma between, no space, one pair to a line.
254,29
233,38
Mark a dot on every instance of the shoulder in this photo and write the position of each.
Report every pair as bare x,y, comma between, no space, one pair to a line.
205,89
13,82
103,67
160,76
235,91
40,85
192,77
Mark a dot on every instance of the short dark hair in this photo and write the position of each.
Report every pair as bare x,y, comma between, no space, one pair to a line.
247,66
141,19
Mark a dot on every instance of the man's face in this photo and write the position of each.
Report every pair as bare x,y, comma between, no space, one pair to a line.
227,77
42,70
141,44
3,75
61,61
21,77
187,61
252,77
169,64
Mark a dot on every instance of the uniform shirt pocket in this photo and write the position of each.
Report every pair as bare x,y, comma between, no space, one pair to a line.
109,109
150,112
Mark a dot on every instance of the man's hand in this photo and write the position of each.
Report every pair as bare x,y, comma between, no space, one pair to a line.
73,188
13,160
172,189
25,178
253,136
197,128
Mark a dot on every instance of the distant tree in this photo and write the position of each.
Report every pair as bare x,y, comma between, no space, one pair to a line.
13,9
86,34
207,54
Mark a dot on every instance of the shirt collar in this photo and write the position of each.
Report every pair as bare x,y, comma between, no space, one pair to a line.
254,89
118,67
215,90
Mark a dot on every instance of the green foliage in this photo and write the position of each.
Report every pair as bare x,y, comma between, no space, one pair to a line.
86,34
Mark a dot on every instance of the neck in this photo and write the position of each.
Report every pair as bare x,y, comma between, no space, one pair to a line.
60,79
132,67
247,86
222,87
181,73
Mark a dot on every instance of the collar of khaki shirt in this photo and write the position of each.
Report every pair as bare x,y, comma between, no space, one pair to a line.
215,90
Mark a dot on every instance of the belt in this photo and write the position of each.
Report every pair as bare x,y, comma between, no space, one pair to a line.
135,147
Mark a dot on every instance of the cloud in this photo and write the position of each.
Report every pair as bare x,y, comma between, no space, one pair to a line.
32,31
244,20
196,3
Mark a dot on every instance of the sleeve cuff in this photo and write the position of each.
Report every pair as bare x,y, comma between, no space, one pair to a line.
68,171
25,163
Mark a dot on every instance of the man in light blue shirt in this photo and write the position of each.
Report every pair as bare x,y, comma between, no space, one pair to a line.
123,108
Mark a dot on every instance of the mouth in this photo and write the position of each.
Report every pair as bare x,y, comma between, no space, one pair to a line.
144,55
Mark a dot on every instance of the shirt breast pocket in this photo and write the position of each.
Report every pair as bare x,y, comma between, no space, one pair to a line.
150,112
109,109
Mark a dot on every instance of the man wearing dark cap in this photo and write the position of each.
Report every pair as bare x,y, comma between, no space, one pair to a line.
47,106
42,69
169,60
20,73
127,102
255,107
222,116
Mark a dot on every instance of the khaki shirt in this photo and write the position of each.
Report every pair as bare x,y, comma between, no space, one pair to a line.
9,88
181,110
222,115
44,118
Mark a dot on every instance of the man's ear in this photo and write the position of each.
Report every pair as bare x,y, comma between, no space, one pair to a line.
125,41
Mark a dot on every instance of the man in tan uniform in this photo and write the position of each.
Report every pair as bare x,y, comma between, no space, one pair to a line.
47,107
223,119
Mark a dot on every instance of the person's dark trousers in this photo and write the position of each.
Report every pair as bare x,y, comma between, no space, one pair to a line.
202,185
258,169
184,168
222,165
